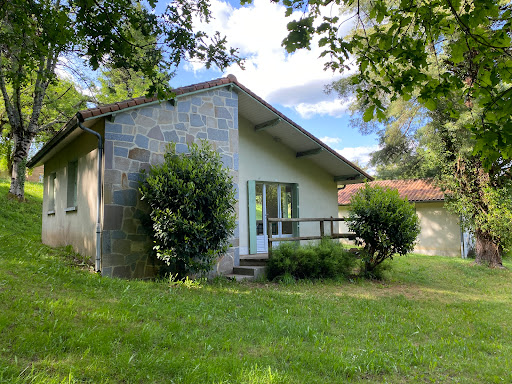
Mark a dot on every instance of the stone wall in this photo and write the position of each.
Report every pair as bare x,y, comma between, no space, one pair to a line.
136,139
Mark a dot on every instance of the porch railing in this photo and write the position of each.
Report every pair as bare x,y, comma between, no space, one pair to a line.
321,220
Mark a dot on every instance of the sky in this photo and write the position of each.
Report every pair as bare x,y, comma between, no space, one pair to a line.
292,83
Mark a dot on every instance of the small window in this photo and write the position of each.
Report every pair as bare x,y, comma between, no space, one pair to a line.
51,193
72,185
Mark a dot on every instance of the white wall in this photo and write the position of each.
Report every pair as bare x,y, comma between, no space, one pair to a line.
76,228
263,159
440,229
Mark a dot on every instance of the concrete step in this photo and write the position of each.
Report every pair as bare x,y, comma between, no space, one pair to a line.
255,271
235,277
253,262
257,260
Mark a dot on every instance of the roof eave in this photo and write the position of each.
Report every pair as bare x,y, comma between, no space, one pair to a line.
358,170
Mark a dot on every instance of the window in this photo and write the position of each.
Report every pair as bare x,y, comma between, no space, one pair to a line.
51,193
72,185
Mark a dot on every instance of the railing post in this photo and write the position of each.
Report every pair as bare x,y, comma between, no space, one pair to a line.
332,226
321,228
269,236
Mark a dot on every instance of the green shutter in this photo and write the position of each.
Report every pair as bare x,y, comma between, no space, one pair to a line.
295,209
251,195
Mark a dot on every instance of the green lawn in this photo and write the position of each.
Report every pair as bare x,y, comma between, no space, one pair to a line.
433,319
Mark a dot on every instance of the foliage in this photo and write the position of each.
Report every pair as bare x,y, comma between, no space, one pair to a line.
485,205
403,142
421,138
60,103
327,259
384,224
122,84
175,282
37,37
59,323
430,47
191,199
118,84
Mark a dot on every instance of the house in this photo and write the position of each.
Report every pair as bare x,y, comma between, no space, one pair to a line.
441,232
93,164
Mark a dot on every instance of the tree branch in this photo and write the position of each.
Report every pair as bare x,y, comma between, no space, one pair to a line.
7,102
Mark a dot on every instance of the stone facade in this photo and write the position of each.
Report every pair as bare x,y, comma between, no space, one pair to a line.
136,139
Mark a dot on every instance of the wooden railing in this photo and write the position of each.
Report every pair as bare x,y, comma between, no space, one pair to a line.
321,220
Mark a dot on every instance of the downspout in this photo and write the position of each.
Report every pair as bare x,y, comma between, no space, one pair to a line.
97,266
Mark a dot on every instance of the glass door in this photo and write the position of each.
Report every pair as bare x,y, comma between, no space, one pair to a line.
275,201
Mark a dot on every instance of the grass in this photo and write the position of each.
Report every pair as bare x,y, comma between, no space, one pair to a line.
433,320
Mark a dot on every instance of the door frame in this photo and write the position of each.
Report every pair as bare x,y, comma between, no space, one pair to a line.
259,243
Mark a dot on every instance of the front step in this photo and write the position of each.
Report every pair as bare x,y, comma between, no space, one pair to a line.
253,262
232,276
255,271
257,260
251,267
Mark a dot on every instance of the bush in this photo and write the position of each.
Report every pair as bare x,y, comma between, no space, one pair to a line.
324,260
384,224
192,201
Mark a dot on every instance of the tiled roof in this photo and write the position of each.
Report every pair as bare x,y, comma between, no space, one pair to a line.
413,190
104,109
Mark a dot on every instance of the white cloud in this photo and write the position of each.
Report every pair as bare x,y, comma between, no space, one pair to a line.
335,108
331,140
258,30
361,155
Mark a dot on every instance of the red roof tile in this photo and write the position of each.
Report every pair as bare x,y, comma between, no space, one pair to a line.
413,190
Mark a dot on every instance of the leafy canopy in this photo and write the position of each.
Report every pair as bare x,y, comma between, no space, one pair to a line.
391,50
38,37
114,34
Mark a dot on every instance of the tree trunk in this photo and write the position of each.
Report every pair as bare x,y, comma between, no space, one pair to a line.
488,251
22,141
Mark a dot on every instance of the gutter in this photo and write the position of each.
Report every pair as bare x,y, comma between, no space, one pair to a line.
97,266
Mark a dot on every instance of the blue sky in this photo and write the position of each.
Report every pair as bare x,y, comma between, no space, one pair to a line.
292,83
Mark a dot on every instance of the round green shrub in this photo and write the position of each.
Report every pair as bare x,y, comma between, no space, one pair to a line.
192,200
384,223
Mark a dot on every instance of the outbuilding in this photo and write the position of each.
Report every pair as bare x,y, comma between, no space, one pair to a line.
92,167
441,232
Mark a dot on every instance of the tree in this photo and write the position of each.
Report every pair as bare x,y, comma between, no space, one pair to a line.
122,84
433,46
60,103
451,58
439,145
403,135
37,36
118,84
481,196
191,199
384,224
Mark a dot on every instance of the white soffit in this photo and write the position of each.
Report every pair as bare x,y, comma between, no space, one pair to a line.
306,148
